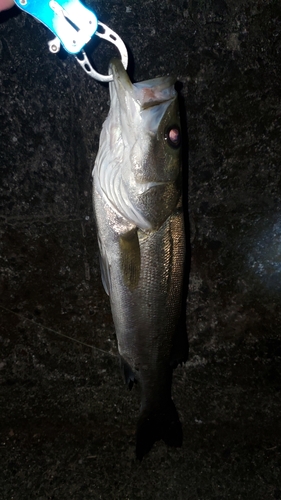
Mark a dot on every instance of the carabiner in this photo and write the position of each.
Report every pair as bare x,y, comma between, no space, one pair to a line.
71,22
73,25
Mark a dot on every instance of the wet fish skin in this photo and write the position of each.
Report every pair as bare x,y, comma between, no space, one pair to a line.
139,217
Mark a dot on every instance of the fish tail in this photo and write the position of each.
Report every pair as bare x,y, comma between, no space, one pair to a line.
158,424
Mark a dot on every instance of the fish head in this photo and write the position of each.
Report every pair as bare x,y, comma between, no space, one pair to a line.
144,149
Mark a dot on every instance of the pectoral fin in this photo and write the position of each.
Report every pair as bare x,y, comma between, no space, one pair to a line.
130,258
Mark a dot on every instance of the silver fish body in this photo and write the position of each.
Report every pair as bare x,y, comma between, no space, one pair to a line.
139,217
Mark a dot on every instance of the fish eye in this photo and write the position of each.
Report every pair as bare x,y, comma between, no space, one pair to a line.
173,136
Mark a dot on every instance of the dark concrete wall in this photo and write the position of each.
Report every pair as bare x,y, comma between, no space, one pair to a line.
226,54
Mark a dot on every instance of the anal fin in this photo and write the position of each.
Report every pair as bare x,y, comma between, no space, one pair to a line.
128,374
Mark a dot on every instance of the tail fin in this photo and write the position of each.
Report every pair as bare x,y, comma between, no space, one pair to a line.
153,426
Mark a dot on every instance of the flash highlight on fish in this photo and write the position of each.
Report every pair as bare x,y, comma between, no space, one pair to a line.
137,180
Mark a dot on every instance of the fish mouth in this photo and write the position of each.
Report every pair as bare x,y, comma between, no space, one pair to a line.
146,94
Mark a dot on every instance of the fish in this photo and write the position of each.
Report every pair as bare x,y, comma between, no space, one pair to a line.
137,199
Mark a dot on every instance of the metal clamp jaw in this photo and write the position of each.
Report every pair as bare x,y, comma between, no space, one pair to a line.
73,25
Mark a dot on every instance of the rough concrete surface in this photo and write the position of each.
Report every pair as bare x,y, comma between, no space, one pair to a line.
67,423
